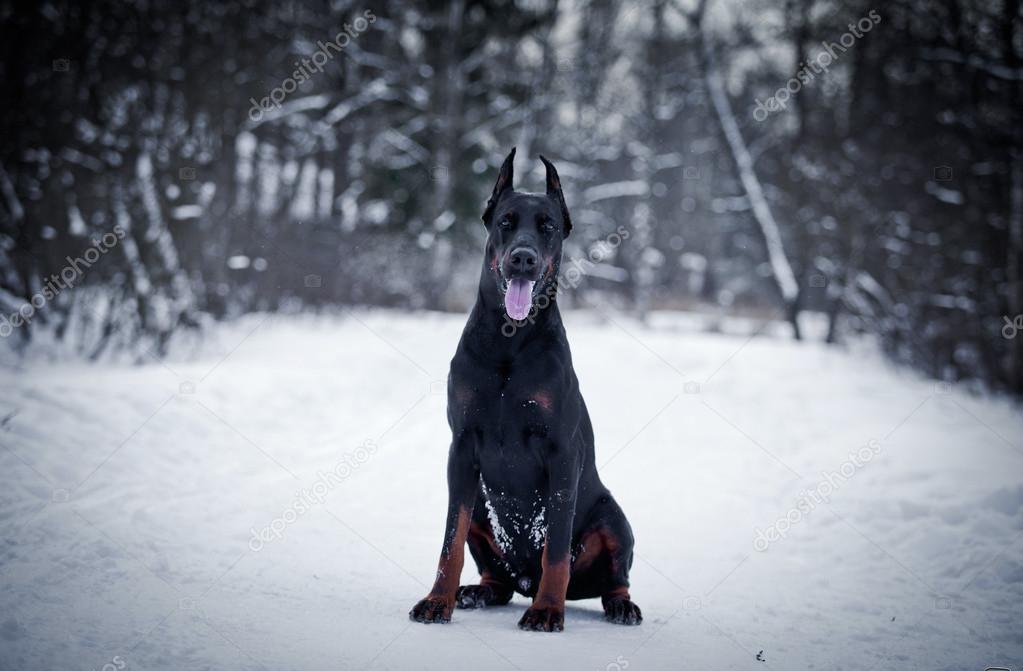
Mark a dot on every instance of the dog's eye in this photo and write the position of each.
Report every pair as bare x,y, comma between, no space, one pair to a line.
504,224
547,226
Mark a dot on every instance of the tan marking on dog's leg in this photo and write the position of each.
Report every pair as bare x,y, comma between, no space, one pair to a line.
449,568
553,583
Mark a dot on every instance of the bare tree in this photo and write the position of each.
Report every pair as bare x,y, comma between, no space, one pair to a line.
784,278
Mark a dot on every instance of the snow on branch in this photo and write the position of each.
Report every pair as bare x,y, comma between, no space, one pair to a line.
624,189
304,104
996,70
375,91
13,204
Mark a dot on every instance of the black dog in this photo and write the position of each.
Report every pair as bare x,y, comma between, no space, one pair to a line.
523,489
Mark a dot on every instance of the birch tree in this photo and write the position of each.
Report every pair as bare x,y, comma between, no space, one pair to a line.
781,269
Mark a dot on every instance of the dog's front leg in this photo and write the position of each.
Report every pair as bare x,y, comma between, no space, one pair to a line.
548,610
463,479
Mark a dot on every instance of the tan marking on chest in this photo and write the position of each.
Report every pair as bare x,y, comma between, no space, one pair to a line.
543,399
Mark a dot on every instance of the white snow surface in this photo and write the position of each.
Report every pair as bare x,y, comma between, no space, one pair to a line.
128,496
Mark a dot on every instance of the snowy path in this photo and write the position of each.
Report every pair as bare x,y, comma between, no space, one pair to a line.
128,496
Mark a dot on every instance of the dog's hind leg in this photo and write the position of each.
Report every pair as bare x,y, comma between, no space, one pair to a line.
492,590
613,537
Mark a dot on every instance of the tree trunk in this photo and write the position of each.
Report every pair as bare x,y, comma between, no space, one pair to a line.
1015,251
781,268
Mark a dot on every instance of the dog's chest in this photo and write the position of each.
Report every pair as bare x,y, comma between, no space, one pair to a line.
506,412
518,519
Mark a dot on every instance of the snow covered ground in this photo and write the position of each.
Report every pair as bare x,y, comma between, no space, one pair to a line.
129,496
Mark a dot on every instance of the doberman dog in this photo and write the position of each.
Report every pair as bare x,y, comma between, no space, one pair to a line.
523,489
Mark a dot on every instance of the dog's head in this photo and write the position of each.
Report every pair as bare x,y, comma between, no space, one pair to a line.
526,231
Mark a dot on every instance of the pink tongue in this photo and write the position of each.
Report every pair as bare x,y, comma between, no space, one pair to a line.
518,299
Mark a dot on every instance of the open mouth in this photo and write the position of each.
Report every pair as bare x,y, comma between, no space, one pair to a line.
518,297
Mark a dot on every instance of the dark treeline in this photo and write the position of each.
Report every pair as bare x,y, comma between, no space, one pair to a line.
767,157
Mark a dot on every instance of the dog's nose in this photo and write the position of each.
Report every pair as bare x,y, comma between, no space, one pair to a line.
523,259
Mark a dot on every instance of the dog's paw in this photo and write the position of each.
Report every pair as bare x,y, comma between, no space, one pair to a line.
430,610
478,596
474,596
622,611
543,619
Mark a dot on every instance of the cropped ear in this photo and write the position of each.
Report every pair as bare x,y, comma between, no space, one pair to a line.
504,183
554,191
